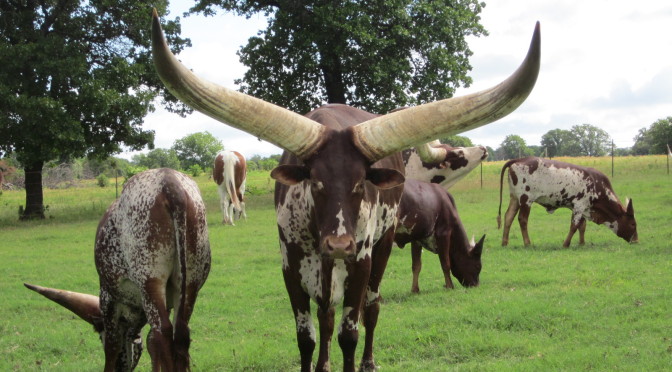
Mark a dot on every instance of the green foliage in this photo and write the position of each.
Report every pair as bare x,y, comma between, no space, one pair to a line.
599,307
197,149
102,180
77,79
132,171
655,139
375,55
592,141
195,170
158,158
513,147
560,142
457,141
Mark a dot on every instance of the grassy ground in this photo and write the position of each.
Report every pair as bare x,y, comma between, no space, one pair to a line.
604,306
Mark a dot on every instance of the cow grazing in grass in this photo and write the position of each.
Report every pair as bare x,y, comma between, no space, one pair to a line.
442,164
229,174
152,254
338,189
428,219
554,184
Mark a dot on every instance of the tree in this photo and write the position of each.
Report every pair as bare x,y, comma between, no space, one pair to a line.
197,149
592,141
513,147
560,142
76,79
457,141
158,158
375,55
655,139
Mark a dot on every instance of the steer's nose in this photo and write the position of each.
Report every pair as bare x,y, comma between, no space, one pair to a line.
339,247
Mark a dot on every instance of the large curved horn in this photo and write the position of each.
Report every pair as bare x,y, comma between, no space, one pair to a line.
384,135
430,154
86,306
269,122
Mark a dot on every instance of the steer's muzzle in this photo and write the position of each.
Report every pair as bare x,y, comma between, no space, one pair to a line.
338,247
634,238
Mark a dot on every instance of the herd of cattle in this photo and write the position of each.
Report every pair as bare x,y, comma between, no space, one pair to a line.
347,188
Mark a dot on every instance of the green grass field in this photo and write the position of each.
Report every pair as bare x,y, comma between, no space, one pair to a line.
605,306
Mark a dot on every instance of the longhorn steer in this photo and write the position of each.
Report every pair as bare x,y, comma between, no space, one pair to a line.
428,219
442,164
339,186
554,184
229,174
152,254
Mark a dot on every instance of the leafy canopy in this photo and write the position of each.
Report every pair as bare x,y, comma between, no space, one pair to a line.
197,149
376,55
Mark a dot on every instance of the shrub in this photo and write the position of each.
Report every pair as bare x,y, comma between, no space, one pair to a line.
102,179
195,170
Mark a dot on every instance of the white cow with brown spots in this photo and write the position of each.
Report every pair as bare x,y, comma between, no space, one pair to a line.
229,174
555,184
152,255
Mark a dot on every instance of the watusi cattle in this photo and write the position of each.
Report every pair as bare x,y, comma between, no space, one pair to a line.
555,184
338,188
229,173
428,219
152,255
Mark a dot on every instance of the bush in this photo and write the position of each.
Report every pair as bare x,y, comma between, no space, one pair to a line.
195,170
132,171
102,179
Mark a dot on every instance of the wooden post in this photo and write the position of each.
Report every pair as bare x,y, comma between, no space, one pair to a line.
481,175
612,158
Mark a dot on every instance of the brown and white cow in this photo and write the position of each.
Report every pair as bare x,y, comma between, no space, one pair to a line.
442,164
338,188
152,254
229,173
555,184
428,219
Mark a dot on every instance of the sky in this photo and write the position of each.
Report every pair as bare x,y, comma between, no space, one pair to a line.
604,63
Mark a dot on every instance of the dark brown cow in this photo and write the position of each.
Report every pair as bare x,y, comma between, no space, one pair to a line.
230,173
442,164
554,184
152,254
428,219
339,186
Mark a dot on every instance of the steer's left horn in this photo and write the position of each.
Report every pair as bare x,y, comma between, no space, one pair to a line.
85,306
291,131
384,135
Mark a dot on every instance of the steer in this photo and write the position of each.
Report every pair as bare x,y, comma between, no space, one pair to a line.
428,219
229,174
441,164
555,184
152,254
338,188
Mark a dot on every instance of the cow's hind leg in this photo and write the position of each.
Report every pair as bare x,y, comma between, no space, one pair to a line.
416,255
160,336
523,216
511,212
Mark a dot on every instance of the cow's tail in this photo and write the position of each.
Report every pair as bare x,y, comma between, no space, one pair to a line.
230,179
181,333
501,185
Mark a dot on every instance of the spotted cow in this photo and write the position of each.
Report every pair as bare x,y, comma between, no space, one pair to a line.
152,254
338,188
442,164
555,184
229,173
428,219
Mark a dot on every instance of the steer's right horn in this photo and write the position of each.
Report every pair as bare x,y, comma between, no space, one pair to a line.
85,306
279,126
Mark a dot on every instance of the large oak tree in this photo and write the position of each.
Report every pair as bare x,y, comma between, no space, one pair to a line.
76,79
374,54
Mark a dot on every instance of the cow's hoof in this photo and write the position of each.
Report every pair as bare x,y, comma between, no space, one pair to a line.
368,366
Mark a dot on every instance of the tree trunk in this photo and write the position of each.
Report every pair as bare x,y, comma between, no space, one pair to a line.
330,64
34,195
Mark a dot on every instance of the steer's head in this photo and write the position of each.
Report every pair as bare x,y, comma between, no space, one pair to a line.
465,265
626,226
87,307
339,177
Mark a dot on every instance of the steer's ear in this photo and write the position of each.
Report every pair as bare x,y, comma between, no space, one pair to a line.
478,247
384,178
290,174
630,209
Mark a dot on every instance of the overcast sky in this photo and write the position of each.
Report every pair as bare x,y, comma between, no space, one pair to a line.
605,63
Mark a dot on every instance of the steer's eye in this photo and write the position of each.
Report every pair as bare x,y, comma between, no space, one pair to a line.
359,188
318,185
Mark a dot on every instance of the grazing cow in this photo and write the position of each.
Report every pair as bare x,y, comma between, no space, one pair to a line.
441,164
428,219
338,188
229,174
152,254
554,184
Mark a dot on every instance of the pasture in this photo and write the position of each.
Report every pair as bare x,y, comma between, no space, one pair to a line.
604,306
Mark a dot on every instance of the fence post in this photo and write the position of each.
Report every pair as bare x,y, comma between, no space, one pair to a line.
481,175
612,158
